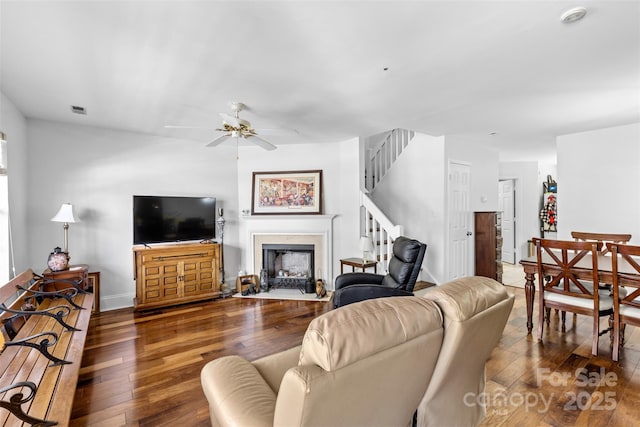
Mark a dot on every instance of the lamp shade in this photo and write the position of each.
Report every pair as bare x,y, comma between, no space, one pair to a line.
65,214
366,245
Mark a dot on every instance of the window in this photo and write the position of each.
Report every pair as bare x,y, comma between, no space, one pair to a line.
5,233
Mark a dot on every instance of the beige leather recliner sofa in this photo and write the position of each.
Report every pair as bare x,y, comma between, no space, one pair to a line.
372,363
475,311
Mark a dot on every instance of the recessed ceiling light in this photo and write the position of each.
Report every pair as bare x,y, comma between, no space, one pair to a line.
573,15
493,133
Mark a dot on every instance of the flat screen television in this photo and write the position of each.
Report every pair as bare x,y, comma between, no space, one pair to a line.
160,219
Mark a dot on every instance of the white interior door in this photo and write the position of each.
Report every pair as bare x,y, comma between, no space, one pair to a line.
459,220
506,203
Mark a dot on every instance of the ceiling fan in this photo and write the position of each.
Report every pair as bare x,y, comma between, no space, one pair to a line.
235,127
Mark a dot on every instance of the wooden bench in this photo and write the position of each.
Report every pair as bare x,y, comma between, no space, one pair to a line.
41,351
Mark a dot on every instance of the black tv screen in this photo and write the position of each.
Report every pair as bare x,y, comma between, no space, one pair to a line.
158,219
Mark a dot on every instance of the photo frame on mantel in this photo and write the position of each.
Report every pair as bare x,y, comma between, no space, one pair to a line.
287,193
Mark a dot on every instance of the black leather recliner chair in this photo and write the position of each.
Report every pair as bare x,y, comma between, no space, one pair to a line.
404,267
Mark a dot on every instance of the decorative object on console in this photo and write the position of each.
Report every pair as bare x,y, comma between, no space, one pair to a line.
366,246
65,215
292,193
57,260
220,222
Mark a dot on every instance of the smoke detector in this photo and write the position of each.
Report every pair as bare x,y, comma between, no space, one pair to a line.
573,15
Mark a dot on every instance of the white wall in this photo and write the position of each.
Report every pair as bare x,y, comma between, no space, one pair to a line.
98,171
599,181
412,194
14,125
338,162
484,171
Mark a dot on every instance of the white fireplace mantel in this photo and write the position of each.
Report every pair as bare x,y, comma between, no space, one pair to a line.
317,228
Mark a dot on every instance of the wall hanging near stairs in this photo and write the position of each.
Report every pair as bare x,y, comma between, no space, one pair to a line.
549,211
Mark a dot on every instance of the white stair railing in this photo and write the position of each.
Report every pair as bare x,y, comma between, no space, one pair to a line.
379,158
380,229
377,161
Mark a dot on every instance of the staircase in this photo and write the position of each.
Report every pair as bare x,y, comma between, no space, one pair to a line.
378,160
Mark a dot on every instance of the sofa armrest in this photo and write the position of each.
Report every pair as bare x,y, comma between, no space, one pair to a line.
237,393
356,293
273,367
348,279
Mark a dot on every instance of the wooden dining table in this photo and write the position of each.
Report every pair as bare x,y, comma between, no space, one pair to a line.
582,270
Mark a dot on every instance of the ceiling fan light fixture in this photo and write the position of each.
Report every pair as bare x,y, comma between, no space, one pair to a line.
573,15
236,107
236,128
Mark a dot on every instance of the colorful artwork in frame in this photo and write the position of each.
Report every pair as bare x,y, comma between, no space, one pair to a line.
287,193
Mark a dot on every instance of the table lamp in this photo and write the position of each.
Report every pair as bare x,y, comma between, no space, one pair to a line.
65,215
366,245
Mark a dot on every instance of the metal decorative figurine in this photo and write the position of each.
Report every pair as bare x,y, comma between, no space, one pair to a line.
220,223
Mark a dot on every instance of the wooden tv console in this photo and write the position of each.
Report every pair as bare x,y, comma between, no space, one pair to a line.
175,274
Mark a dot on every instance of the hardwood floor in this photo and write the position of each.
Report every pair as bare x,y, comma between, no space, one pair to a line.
144,369
558,382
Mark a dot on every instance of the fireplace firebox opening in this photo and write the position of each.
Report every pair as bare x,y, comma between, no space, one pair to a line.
289,266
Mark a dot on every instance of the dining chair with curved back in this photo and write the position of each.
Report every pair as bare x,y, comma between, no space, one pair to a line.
604,238
625,267
568,276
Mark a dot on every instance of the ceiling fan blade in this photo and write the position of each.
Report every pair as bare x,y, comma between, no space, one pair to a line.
262,143
278,131
218,140
233,121
188,127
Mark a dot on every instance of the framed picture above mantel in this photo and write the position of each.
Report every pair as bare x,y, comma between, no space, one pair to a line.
287,193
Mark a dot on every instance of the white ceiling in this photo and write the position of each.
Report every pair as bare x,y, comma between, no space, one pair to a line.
463,68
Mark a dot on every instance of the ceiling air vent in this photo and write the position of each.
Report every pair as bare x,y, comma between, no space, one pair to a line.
78,110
